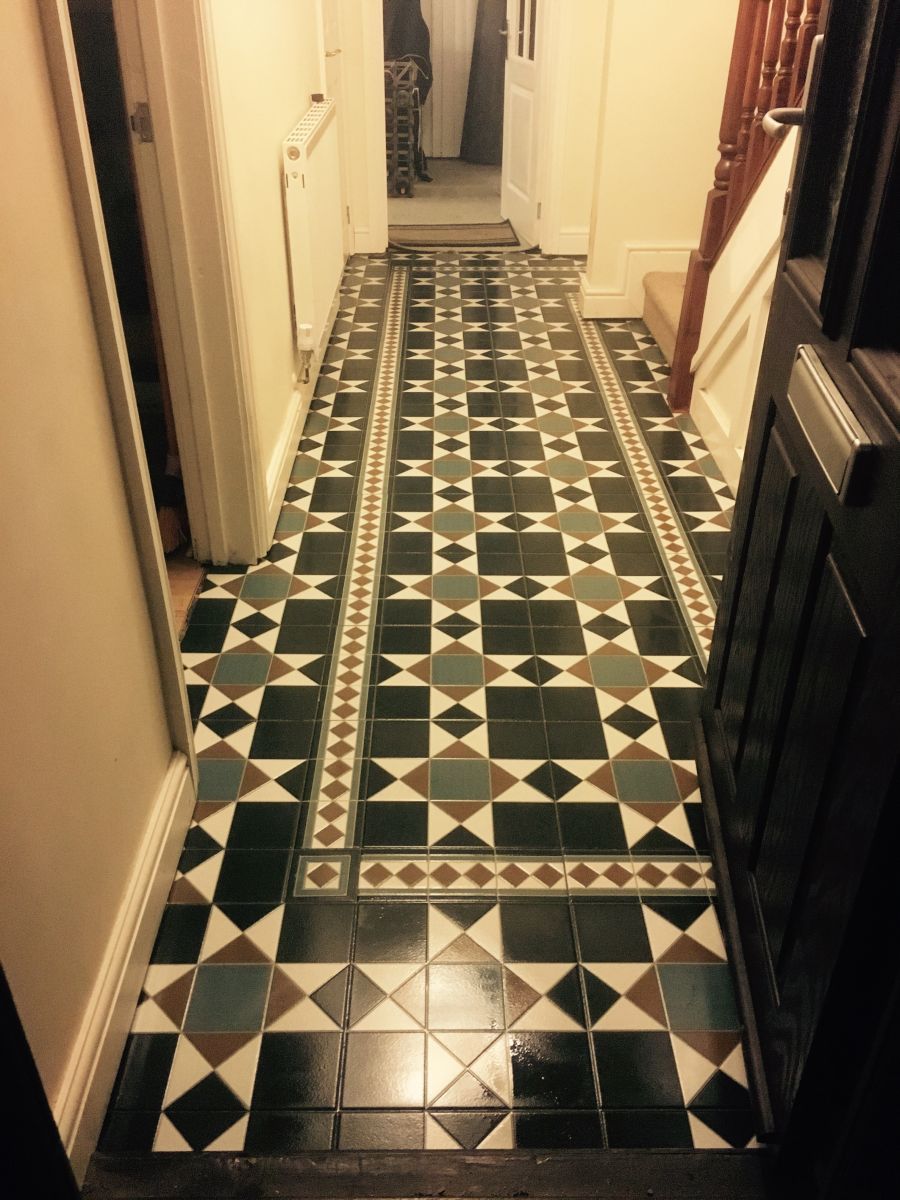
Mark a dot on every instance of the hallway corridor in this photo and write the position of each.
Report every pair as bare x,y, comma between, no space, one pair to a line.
448,881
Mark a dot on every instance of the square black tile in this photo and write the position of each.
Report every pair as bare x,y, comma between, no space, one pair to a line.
276,1132
297,1070
551,1070
401,824
263,826
144,1070
592,828
181,932
576,739
558,1131
526,827
537,931
320,932
400,703
384,1070
283,739
391,932
570,704
514,639
398,739
637,1070
653,1129
283,703
516,739
382,1131
248,875
611,930
513,704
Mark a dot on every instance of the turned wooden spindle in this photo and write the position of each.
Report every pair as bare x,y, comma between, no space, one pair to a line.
760,146
784,77
748,106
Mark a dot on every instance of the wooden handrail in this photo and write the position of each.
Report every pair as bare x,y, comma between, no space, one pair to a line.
769,61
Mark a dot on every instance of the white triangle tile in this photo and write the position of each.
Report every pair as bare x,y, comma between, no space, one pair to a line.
661,933
481,824
501,1137
442,1068
704,1138
218,824
233,1138
206,876
441,932
168,1139
160,975
706,931
541,976
239,1071
694,1070
486,932
389,976
546,1017
735,1067
386,1017
625,1016
436,1137
150,1018
652,739
265,934
188,1068
621,977
241,740
220,932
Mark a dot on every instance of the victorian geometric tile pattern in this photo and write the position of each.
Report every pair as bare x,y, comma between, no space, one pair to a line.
447,884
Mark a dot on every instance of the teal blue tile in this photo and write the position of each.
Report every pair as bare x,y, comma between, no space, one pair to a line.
228,997
699,996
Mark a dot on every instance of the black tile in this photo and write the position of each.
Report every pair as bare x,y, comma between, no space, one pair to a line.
551,1070
514,639
282,1131
297,1070
562,640
303,639
180,933
537,931
554,613
406,612
402,824
637,1070
319,932
128,1132
204,639
283,703
576,739
611,930
252,875
653,1129
261,826
570,704
283,739
558,1131
662,639
677,704
384,1070
516,739
594,828
405,639
735,1127
309,612
526,827
505,612
399,739
513,703
391,932
382,1131
144,1070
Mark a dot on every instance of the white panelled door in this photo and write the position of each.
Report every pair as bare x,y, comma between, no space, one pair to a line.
519,195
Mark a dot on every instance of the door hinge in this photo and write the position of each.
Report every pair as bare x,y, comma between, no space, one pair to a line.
141,121
787,202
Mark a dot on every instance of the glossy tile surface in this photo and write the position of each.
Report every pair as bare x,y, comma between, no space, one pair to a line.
447,884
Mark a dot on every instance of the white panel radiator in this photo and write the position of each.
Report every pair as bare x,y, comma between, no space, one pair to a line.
314,229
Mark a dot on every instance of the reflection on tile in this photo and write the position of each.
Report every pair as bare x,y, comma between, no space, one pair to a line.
447,883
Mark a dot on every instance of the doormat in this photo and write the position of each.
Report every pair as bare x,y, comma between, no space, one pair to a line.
440,237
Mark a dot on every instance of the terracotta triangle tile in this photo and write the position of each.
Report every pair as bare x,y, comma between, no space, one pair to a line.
645,994
686,950
604,779
252,779
520,996
686,780
241,950
173,1000
217,1048
418,778
501,780
635,751
184,892
713,1045
464,950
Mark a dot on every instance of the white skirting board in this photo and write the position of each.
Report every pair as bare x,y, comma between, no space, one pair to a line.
279,471
91,1072
625,298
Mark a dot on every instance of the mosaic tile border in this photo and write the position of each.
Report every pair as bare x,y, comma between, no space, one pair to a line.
691,587
336,781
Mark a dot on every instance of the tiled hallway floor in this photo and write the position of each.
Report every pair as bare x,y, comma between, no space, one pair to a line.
447,884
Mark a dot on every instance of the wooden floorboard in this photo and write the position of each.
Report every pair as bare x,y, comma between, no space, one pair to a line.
388,1175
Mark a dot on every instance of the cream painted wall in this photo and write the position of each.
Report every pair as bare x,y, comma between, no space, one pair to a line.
267,62
85,741
664,70
734,319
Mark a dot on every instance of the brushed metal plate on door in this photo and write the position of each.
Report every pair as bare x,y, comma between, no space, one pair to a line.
835,436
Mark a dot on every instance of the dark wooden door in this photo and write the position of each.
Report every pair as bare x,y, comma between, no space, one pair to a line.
801,722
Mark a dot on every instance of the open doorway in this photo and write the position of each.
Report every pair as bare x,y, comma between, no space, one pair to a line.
445,65
93,29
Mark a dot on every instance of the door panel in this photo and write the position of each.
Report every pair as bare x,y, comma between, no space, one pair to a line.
518,187
801,711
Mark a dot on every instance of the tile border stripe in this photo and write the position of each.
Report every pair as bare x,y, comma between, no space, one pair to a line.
335,785
690,586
